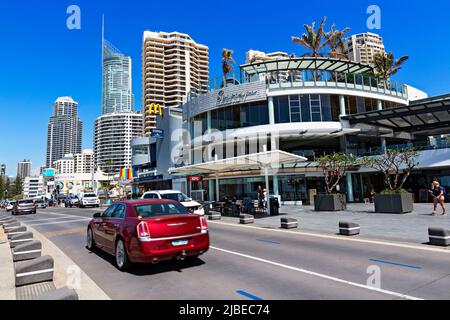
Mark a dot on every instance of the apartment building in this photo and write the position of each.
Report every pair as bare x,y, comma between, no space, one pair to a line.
173,65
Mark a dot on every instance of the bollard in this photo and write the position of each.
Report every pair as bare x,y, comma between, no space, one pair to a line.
20,239
64,293
10,226
34,271
439,237
289,223
214,215
246,219
27,251
16,231
6,221
349,229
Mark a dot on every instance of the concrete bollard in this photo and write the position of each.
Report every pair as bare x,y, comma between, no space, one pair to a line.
16,231
20,239
439,237
349,229
27,251
64,293
34,271
10,226
246,219
7,221
214,215
289,223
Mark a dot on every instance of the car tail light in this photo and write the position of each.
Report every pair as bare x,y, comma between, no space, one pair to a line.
204,224
143,232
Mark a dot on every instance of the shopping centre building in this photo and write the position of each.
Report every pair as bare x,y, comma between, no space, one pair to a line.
268,127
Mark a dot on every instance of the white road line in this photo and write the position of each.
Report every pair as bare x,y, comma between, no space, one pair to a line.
320,275
52,219
57,222
341,238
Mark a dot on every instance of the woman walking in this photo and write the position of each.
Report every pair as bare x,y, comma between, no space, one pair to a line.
438,193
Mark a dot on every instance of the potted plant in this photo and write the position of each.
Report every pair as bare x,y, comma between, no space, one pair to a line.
396,166
335,166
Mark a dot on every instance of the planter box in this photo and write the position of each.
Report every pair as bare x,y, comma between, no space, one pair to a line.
330,202
394,203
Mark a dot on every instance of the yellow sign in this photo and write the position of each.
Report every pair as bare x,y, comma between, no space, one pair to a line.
155,108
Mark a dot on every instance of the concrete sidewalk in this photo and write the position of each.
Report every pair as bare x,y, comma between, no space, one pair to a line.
412,227
68,273
7,276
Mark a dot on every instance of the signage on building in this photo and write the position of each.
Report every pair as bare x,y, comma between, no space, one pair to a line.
49,172
239,97
148,178
157,133
155,109
194,179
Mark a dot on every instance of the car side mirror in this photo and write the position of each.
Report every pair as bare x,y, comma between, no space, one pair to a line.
97,215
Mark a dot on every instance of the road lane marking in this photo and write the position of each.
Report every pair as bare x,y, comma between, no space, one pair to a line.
267,241
395,263
248,295
50,219
319,275
56,222
341,238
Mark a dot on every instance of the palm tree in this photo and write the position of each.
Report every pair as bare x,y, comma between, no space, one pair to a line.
227,64
386,65
313,40
335,39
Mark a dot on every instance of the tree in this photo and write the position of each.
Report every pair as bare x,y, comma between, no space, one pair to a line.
2,187
227,64
8,189
335,40
335,166
386,66
396,166
18,187
313,40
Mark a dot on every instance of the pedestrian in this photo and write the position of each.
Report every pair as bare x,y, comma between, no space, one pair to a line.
260,193
438,193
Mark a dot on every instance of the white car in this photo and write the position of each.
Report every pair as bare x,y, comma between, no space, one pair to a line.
188,203
89,199
10,206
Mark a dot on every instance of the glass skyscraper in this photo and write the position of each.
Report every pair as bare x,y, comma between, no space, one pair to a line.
117,89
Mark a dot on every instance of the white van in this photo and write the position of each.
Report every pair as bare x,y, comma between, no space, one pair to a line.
89,199
188,203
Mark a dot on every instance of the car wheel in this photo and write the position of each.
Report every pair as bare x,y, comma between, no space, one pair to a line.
90,244
122,261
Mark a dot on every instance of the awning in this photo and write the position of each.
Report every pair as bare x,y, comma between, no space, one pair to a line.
252,161
426,117
306,63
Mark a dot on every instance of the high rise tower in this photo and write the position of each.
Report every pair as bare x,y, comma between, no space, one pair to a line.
64,130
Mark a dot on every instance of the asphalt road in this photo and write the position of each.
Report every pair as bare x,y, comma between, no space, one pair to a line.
256,263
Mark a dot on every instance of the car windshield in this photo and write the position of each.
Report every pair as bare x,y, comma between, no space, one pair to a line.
39,201
90,195
180,197
160,209
25,201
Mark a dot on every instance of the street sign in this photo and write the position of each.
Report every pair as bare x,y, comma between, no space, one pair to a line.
157,133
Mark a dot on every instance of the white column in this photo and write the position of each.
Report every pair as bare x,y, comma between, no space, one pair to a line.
379,105
271,109
343,112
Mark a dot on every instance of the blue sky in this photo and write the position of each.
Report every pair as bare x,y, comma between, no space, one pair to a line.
42,59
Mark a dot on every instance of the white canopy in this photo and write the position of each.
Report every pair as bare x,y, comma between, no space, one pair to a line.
252,161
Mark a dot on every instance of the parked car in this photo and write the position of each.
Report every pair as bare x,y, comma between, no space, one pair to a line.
71,201
89,199
41,204
148,231
10,206
24,206
192,206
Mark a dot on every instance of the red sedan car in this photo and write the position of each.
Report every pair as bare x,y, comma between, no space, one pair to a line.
146,231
